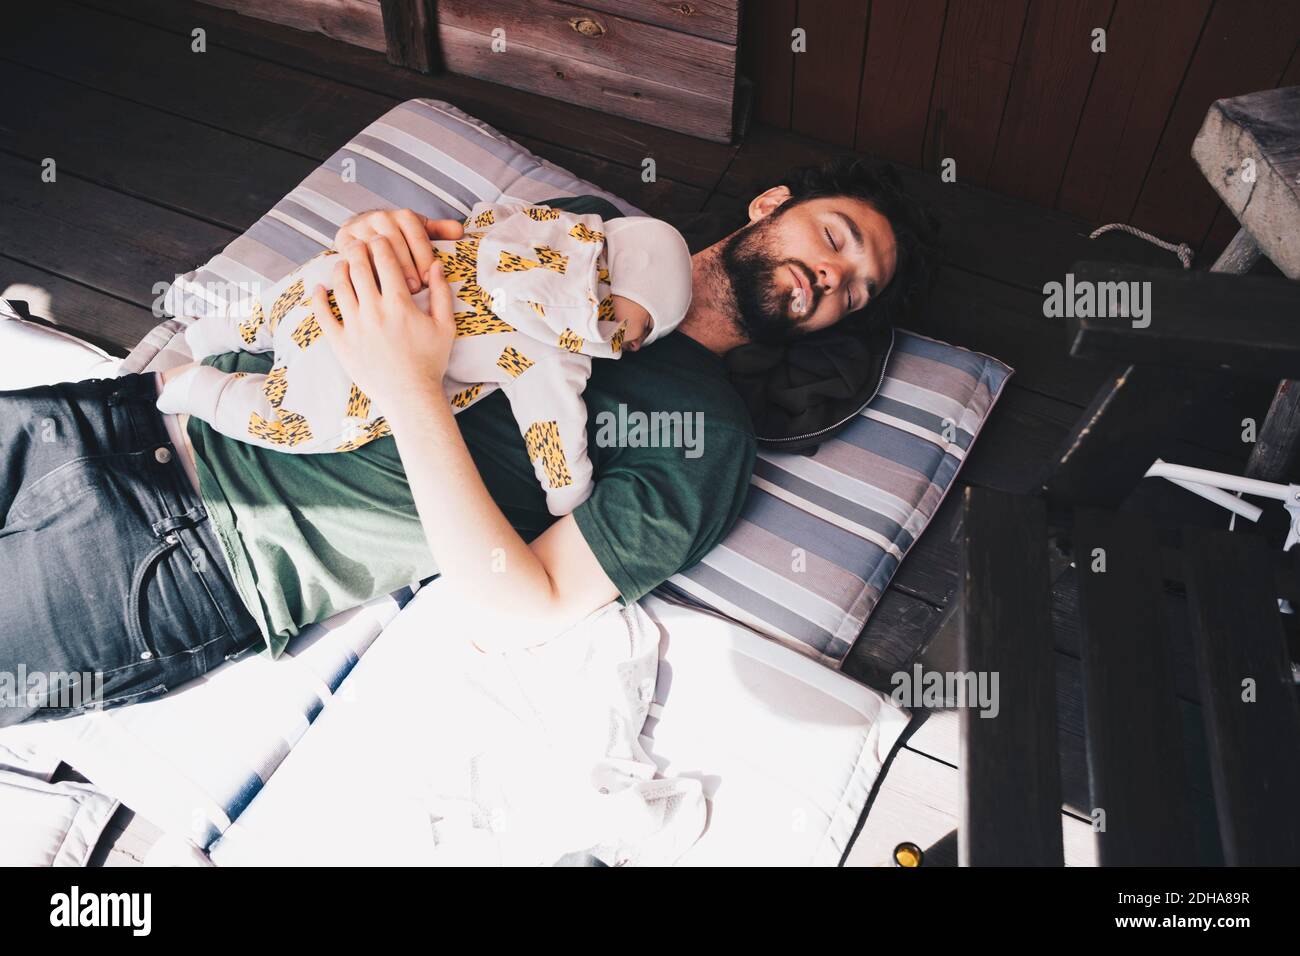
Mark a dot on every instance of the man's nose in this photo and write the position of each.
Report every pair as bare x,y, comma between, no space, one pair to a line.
828,276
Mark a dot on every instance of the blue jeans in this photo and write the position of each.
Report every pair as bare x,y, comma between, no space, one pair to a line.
115,588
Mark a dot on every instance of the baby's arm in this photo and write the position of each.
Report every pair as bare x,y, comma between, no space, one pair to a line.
266,410
546,398
247,324
306,404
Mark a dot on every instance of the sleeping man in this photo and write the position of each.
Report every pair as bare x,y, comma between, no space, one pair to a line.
148,552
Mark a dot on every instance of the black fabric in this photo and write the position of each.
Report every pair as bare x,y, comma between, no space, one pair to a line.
801,393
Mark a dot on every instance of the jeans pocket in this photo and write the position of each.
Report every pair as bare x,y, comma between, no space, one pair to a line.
141,611
174,615
56,490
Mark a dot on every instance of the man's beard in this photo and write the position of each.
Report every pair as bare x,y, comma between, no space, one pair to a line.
759,305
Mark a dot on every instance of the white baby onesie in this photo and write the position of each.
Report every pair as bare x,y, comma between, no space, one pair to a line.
532,290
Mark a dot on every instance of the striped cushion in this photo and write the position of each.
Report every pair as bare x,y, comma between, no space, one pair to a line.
820,537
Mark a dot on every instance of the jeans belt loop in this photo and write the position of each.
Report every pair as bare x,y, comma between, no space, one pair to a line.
189,519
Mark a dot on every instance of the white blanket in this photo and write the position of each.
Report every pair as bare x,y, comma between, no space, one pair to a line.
551,763
433,753
786,752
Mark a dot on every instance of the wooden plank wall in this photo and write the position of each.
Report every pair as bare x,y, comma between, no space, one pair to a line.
1012,91
359,22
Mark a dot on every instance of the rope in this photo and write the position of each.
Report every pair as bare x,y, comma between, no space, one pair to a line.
1183,251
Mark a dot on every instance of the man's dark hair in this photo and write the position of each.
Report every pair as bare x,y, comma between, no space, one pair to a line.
915,229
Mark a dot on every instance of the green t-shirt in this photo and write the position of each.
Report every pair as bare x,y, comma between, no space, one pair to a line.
308,536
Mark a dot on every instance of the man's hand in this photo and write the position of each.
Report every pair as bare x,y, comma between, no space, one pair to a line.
392,348
407,231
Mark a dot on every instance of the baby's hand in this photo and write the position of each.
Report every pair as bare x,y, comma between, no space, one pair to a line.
635,319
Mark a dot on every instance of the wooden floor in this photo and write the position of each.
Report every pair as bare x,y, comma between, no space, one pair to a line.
163,155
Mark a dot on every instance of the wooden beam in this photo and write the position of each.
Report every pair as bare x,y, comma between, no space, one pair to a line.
409,34
1249,150
612,63
357,22
716,19
1247,324
1136,768
1010,771
1277,446
1276,455
1252,719
1133,419
1238,256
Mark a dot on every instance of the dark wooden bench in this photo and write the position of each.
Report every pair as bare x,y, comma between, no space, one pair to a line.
1208,331
1010,774
1133,729
1136,749
1248,696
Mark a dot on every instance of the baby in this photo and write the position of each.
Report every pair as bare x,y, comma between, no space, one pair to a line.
539,293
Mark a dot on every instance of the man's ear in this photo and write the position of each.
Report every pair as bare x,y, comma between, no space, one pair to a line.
764,203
